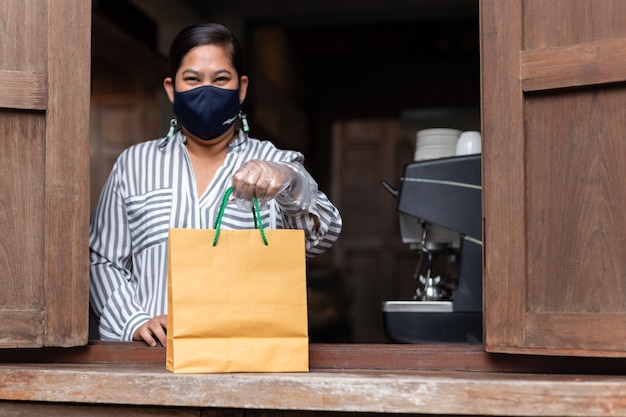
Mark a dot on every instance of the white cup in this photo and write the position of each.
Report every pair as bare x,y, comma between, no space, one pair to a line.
468,143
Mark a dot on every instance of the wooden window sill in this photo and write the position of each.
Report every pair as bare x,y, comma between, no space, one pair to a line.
427,392
430,379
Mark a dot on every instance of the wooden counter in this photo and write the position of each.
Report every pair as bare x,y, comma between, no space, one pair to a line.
96,383
464,393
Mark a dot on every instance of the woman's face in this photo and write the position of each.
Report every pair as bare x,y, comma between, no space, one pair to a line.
206,65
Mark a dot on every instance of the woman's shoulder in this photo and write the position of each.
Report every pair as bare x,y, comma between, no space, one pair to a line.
140,151
139,158
147,146
141,161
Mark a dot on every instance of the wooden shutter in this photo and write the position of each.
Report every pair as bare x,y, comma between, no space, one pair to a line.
44,164
553,103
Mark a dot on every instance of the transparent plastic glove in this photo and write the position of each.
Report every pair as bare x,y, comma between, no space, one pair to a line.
288,183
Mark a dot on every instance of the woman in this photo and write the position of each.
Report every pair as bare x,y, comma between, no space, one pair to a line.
179,180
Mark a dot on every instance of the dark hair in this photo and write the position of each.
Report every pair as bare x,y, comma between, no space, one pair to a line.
205,34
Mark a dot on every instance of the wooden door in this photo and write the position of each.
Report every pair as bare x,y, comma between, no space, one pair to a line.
554,187
376,265
44,172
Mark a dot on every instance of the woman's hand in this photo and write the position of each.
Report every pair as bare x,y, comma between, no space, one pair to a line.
153,331
263,179
288,182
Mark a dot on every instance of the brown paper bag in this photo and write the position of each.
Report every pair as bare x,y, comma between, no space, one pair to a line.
235,303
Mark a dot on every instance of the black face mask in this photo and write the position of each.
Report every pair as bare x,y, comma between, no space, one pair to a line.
207,111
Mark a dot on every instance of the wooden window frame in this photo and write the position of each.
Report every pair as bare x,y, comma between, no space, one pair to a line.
437,357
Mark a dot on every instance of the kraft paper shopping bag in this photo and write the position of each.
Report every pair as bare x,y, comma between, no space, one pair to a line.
237,300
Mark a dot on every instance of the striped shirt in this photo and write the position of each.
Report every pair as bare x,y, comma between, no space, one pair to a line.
152,188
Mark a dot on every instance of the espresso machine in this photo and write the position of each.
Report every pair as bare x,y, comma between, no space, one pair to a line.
443,193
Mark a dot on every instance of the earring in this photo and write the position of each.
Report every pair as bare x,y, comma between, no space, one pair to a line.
244,122
173,125
170,134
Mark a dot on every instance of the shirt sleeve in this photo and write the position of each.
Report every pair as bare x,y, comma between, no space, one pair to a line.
112,290
321,224
320,221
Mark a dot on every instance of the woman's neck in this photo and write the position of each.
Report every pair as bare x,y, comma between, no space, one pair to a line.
206,157
209,149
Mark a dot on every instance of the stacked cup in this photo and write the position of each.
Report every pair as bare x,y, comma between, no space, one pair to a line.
469,143
436,143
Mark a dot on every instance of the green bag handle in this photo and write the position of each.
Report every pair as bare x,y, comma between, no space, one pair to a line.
256,212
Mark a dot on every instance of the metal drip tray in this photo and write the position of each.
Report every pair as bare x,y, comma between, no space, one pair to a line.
417,306
422,322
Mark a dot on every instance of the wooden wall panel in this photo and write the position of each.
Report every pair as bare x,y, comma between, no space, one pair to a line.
558,23
575,213
21,203
23,35
45,163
